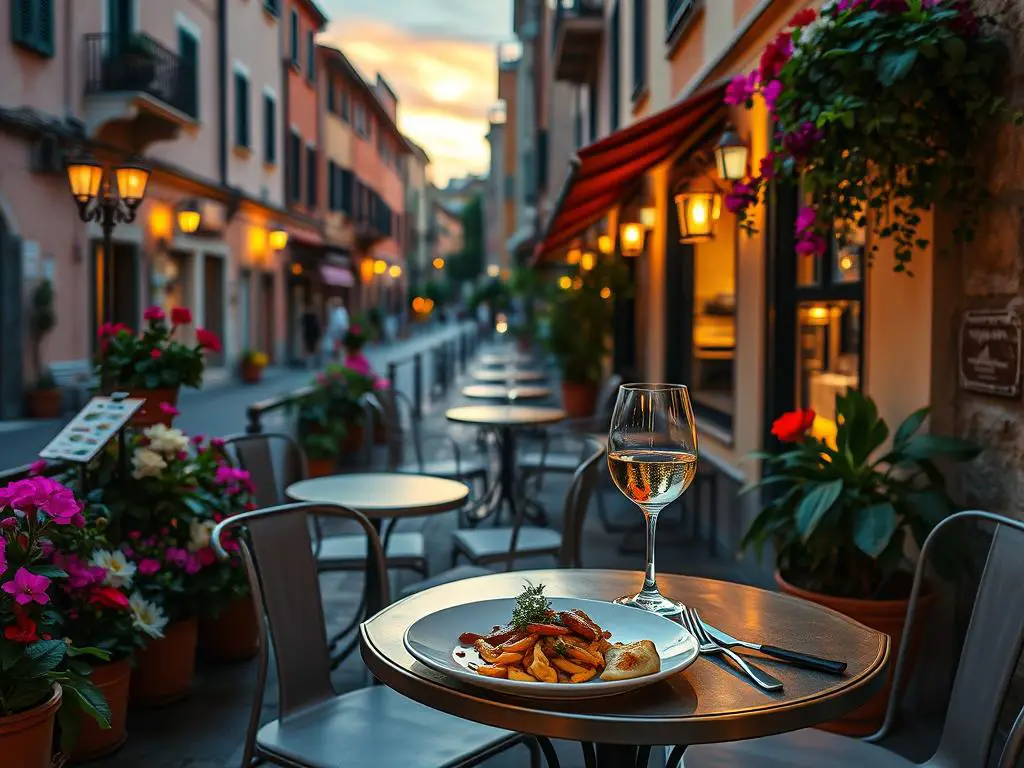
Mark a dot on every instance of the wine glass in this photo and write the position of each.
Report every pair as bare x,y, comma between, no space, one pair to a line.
652,458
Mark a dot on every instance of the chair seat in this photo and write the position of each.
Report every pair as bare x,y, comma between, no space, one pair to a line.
374,726
553,461
348,552
447,468
491,544
447,577
809,748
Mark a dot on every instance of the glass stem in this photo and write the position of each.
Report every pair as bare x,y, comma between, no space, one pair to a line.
650,575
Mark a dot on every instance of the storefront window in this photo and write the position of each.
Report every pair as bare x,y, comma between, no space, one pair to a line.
828,357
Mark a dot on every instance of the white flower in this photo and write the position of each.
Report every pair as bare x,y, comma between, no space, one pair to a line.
200,535
147,616
810,34
167,441
147,463
120,572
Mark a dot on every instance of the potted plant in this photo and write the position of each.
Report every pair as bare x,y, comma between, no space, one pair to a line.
153,365
845,512
138,61
41,671
253,363
44,399
361,379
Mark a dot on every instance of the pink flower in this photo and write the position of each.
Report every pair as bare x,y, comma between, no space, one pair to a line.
169,409
26,587
181,316
800,142
809,240
380,384
155,353
767,167
3,555
741,89
356,330
359,364
743,195
847,5
776,54
216,442
771,94
44,494
134,535
206,557
78,521
176,556
153,314
8,522
198,439
208,340
37,466
192,565
148,566
806,218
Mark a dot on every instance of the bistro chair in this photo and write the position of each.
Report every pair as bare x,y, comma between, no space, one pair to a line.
315,727
338,552
987,664
494,545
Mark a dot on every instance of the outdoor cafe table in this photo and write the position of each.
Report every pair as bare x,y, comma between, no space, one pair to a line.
503,376
503,359
505,419
705,703
501,392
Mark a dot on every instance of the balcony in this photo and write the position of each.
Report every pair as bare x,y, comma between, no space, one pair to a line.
137,91
579,27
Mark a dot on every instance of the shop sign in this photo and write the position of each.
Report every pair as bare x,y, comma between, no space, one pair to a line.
990,352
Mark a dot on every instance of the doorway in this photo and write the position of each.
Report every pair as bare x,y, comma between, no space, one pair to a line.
265,330
213,303
245,308
125,264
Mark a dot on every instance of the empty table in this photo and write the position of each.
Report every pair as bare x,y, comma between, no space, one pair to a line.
503,359
503,376
705,703
504,420
501,392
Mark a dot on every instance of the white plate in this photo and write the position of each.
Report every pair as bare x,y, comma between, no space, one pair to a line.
434,641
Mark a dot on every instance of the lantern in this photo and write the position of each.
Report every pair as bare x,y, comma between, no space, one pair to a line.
84,177
698,214
277,239
188,217
731,155
131,183
631,239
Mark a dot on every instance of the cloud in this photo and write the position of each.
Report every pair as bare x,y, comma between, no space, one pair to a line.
440,58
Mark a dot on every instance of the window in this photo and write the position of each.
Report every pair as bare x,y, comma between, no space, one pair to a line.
295,167
188,80
269,129
675,12
332,186
273,7
32,25
242,133
360,120
311,176
639,48
614,64
332,97
295,39
310,57
357,200
346,182
346,105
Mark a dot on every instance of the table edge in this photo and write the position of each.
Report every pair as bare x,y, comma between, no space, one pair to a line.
419,511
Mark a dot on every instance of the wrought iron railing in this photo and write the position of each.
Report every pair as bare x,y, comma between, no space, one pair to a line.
114,63
574,9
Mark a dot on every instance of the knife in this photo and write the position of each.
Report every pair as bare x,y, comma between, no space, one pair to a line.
794,657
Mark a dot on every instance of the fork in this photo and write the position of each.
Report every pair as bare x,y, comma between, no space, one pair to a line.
707,646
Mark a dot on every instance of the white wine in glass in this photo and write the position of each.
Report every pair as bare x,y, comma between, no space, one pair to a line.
652,458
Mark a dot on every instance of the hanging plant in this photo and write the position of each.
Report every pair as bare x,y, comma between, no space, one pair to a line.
879,105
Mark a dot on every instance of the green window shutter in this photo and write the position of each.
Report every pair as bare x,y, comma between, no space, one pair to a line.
32,25
44,27
21,21
269,130
241,110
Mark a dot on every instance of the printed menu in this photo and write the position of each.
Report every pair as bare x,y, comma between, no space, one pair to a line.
91,429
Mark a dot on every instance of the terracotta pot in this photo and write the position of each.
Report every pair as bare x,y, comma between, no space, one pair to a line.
150,413
578,400
164,671
888,616
26,739
44,403
232,635
251,373
93,742
320,467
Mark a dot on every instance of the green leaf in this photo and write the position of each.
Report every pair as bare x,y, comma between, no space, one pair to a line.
88,698
873,528
49,571
46,655
814,505
909,426
895,65
931,446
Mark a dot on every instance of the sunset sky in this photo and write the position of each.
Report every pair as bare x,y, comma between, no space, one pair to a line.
440,57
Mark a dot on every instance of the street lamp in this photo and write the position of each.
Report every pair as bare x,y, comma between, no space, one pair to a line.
277,239
438,263
731,155
631,239
108,204
395,271
188,217
698,214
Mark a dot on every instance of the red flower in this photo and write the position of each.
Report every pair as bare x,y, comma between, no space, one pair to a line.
803,18
109,597
154,314
208,340
24,631
775,56
792,427
181,316
155,353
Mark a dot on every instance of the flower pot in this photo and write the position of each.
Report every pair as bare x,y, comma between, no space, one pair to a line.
150,413
93,742
26,739
251,373
232,635
164,671
44,403
320,467
888,616
578,400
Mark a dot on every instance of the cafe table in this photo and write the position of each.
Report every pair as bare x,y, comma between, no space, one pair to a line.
380,496
500,376
505,420
502,392
502,359
705,703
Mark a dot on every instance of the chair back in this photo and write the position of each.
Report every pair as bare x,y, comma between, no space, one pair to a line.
278,556
605,403
255,454
389,405
990,652
577,500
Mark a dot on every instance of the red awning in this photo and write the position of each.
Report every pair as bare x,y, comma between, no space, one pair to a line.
338,276
604,171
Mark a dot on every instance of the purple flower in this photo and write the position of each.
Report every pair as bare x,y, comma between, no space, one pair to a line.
169,409
805,220
767,167
148,566
26,587
37,466
743,195
43,494
800,142
176,556
809,240
741,89
771,93
192,565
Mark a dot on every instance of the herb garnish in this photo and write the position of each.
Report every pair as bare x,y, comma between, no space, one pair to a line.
531,607
561,648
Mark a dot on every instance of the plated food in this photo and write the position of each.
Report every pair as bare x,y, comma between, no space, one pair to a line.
543,645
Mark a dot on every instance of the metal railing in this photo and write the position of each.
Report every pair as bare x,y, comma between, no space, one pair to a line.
139,63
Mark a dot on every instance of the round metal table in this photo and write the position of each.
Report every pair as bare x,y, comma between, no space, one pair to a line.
504,359
379,496
504,420
502,377
501,392
706,703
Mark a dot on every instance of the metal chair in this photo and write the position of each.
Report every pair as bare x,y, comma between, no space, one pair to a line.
316,727
987,665
341,552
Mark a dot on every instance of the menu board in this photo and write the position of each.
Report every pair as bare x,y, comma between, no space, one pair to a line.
91,429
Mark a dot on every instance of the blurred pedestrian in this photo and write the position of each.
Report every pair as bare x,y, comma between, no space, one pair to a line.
337,325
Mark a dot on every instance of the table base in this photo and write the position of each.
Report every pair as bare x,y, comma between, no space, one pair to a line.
611,755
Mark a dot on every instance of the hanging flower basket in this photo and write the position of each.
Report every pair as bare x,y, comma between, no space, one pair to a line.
879,106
